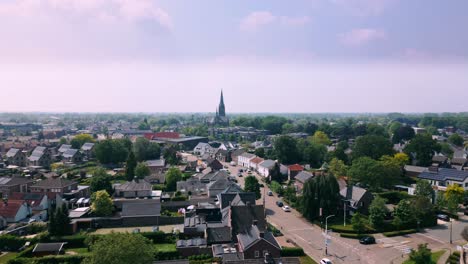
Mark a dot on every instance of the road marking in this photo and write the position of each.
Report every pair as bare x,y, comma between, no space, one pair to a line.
431,237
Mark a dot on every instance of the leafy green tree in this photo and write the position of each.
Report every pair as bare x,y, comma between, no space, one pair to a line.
121,248
456,139
358,222
101,181
80,139
422,255
173,175
142,170
52,225
63,141
446,149
251,185
373,174
260,152
338,167
422,148
276,187
130,166
403,133
454,195
286,150
321,138
146,150
397,222
372,146
312,153
377,212
404,211
322,191
424,189
102,204
274,124
112,150
275,173
59,222
171,156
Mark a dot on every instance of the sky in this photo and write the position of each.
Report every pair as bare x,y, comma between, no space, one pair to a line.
303,56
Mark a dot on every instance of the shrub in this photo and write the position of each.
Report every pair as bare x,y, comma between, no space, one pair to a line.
73,241
353,236
166,255
400,233
292,252
11,243
65,259
159,237
35,228
179,198
394,197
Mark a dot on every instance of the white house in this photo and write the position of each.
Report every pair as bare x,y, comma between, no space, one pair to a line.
14,211
203,148
244,159
440,178
265,167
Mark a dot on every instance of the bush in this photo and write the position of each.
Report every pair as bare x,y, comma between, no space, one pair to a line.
349,230
179,198
35,228
292,252
166,255
64,259
11,243
353,236
394,197
400,233
159,237
73,241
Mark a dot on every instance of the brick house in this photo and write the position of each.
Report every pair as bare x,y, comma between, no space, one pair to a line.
16,157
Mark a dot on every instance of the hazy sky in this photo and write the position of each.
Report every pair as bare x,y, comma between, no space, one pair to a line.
267,55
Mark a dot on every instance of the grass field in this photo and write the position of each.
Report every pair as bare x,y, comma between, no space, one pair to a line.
307,260
5,258
165,247
76,250
434,257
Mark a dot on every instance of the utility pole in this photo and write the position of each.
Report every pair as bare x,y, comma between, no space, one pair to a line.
326,234
344,214
450,230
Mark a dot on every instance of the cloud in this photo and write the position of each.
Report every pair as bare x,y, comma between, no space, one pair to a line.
103,10
361,36
256,20
364,7
294,21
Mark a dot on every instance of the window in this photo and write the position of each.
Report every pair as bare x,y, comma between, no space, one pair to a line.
441,183
257,253
265,252
466,184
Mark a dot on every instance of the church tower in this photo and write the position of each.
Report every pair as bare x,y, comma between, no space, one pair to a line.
221,109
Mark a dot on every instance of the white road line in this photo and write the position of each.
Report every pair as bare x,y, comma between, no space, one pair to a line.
431,237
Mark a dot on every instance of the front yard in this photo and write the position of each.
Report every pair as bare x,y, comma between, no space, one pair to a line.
434,257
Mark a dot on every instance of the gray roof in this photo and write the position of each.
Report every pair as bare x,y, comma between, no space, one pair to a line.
237,152
252,236
141,209
87,146
460,153
10,181
156,163
12,152
194,242
226,199
192,185
439,158
303,176
214,176
37,153
70,153
219,184
267,164
444,174
247,155
353,193
48,247
141,185
54,183
234,188
459,161
242,218
64,147
216,235
412,168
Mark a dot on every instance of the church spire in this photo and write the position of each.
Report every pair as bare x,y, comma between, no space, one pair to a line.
221,109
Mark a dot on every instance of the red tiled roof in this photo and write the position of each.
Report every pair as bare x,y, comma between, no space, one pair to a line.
257,160
167,135
9,210
33,199
295,167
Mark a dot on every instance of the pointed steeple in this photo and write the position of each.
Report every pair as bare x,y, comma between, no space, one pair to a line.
222,109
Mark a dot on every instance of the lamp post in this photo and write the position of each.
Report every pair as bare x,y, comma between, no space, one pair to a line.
326,234
450,230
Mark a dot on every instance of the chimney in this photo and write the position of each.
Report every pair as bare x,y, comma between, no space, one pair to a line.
349,192
262,234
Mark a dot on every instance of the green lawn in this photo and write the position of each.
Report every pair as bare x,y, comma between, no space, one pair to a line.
434,257
165,247
77,250
307,260
5,258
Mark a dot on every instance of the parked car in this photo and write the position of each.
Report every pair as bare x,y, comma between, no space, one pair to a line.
249,171
443,217
270,193
286,208
367,240
325,261
241,170
279,203
233,163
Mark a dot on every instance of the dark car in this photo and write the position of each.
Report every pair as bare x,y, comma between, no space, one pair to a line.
367,240
443,217
279,203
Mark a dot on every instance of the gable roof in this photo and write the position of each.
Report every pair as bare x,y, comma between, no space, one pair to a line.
216,235
269,164
234,188
438,158
54,183
33,199
64,147
222,184
141,209
459,161
443,174
253,236
237,152
256,160
12,152
242,218
140,185
70,153
247,155
87,146
303,176
225,199
10,209
156,163
11,181
353,193
295,167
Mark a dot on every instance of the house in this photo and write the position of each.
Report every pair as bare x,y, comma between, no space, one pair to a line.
16,157
203,148
227,199
214,164
192,247
458,163
440,178
235,155
63,148
255,162
463,153
213,176
440,160
256,244
10,185
413,171
14,211
301,178
156,166
88,149
134,189
265,167
192,186
216,187
58,185
72,155
222,155
39,203
293,170
40,156
244,159
46,249
141,213
357,199
156,178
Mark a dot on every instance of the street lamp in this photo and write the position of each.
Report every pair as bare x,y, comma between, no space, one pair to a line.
326,234
450,230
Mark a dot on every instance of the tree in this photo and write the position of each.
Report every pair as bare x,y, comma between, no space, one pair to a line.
52,226
286,150
112,150
403,133
422,148
456,139
260,152
80,139
312,153
377,212
130,167
422,255
102,204
251,185
275,173
424,189
372,146
121,248
321,191
373,174
101,181
404,211
146,150
171,156
320,137
454,195
59,222
338,167
173,175
359,223
276,187
142,170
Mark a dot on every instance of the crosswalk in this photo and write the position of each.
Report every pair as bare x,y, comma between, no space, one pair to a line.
392,243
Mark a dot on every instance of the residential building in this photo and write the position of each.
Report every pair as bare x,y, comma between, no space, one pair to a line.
9,185
88,150
72,156
203,148
265,167
301,178
357,199
156,166
293,170
216,187
133,189
40,156
235,155
16,157
255,162
13,212
57,185
63,148
413,171
256,244
440,178
244,159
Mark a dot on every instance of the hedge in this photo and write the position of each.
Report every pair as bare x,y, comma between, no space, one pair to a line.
292,252
394,197
353,236
400,233
63,259
167,255
11,243
159,237
342,229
